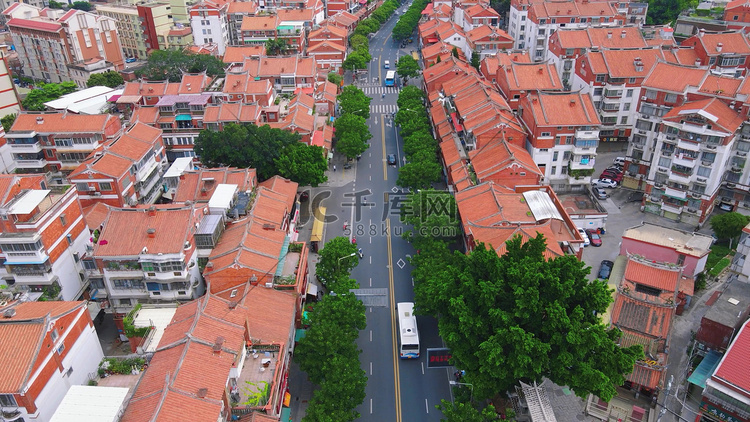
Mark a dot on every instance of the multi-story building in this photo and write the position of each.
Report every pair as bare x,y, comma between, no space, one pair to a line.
740,263
727,393
564,135
9,102
515,79
488,40
156,21
148,254
472,17
58,141
128,26
287,24
532,22
693,149
725,53
241,87
660,91
42,237
208,19
235,14
179,38
47,43
48,347
286,73
687,249
124,172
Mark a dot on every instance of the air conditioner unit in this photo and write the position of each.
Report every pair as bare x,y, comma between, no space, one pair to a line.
731,185
658,185
701,179
662,169
156,293
181,292
742,153
706,163
655,199
644,98
97,194
711,146
695,195
693,210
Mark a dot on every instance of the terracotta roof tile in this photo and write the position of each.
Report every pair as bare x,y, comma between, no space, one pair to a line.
621,63
732,43
714,110
259,23
646,376
498,155
95,215
125,231
528,76
237,54
248,7
657,277
724,86
662,77
642,317
732,368
61,123
192,183
568,109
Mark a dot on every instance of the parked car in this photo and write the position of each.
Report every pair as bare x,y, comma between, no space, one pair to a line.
603,183
600,193
596,240
605,269
130,60
724,206
585,237
391,159
304,196
619,161
617,177
615,169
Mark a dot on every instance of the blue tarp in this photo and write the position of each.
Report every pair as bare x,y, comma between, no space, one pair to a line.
705,369
183,117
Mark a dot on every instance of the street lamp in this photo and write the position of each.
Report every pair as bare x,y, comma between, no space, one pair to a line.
471,397
338,262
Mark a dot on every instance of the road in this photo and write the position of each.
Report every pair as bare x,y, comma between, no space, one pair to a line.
397,390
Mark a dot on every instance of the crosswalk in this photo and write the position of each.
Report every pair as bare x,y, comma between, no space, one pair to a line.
379,89
383,108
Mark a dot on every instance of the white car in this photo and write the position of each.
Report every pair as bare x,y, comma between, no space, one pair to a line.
586,241
603,183
620,161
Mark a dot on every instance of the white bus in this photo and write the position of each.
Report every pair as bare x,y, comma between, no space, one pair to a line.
408,334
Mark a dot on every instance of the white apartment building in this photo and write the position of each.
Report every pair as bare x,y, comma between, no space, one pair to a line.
209,23
128,26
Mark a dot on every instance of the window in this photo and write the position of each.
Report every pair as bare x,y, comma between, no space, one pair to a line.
631,80
680,259
54,335
96,283
626,107
650,94
640,288
7,400
124,302
105,186
600,78
704,171
553,170
61,349
557,140
643,124
664,162
566,155
62,220
670,98
546,134
554,157
598,92
629,93
70,238
708,156
128,283
624,120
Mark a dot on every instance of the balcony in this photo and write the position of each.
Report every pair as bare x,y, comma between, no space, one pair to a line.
579,180
667,207
167,275
31,163
587,134
678,177
675,193
585,148
688,145
684,160
25,148
670,139
19,258
583,164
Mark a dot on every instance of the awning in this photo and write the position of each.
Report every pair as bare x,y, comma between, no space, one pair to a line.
183,117
114,98
28,202
318,224
312,289
705,369
456,124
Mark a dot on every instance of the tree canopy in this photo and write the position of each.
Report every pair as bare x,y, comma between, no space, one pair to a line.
353,100
433,214
245,145
352,134
423,167
407,67
82,5
36,98
335,78
336,260
276,46
666,11
522,317
7,121
170,65
304,164
476,58
729,225
109,79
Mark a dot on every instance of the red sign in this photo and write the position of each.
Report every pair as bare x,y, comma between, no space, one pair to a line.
438,358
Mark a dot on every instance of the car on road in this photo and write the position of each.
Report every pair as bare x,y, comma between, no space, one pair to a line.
130,60
619,161
391,159
603,183
605,269
387,64
585,237
600,193
304,196
596,240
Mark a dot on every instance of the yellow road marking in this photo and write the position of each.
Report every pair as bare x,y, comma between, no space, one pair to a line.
382,135
396,375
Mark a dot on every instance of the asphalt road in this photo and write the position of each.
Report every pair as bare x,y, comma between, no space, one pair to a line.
397,390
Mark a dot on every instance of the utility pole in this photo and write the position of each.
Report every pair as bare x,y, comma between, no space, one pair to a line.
666,399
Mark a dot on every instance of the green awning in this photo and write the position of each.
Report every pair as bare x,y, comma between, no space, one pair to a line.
183,117
286,414
705,369
282,27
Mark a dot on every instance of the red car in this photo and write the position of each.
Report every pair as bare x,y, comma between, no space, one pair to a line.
594,237
617,177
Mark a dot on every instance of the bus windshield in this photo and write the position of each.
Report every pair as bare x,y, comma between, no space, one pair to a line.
390,78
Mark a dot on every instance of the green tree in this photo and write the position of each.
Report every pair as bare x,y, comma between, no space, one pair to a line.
36,98
243,146
438,59
411,97
354,61
475,59
276,46
454,51
81,5
729,225
335,78
336,259
170,65
419,174
353,100
666,11
416,143
401,31
523,317
407,67
432,214
302,163
359,41
56,5
8,120
352,135
462,411
340,394
109,79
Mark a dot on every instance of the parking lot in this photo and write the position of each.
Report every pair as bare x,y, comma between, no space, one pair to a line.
621,215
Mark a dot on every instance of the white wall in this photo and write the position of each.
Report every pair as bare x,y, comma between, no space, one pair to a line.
67,269
219,34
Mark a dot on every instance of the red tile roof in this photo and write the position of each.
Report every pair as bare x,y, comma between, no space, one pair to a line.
37,25
662,77
562,109
237,54
712,109
733,367
661,278
732,43
125,231
498,155
529,76
60,123
192,183
21,338
646,376
95,215
642,317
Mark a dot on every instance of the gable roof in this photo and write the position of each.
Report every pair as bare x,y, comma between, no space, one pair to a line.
658,277
712,109
562,109
61,122
662,77
732,369
237,54
529,76
198,185
498,155
125,231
